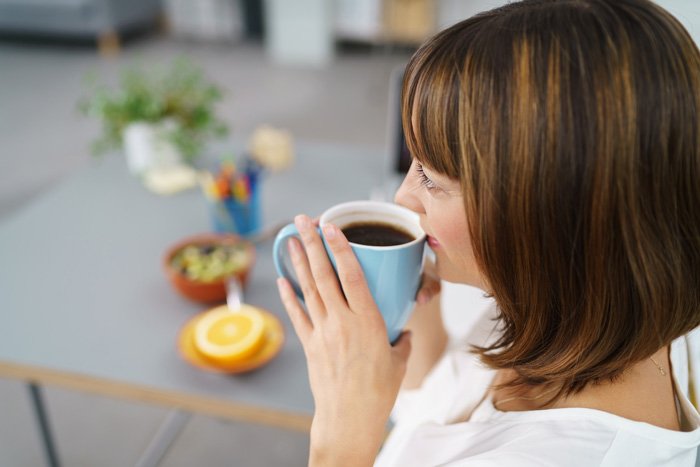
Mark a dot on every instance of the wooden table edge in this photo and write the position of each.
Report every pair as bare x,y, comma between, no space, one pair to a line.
171,399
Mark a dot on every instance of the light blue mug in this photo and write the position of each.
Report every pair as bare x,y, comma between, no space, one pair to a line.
393,273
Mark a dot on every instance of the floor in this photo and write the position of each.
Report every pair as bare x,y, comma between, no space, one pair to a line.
44,139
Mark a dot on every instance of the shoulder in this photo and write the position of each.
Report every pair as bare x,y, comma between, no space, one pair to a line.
498,442
531,442
575,438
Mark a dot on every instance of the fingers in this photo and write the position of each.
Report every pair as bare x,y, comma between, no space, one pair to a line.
352,279
313,300
429,288
402,347
300,321
322,271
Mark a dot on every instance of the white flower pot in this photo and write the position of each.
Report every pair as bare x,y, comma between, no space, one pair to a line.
147,147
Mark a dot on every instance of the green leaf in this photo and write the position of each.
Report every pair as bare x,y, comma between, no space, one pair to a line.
180,92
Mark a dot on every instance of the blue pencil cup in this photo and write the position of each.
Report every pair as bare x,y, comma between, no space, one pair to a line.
243,218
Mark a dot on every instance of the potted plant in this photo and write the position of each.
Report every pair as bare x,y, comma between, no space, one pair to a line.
159,117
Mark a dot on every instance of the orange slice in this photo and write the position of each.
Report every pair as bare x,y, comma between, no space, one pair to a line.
227,337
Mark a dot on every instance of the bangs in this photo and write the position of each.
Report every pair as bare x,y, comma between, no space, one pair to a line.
581,202
430,102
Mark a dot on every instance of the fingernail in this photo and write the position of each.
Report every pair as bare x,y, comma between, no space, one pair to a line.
329,231
422,299
302,222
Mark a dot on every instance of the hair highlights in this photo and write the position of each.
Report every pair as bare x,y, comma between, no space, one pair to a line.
573,128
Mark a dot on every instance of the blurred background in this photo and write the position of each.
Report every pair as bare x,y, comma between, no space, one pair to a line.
320,69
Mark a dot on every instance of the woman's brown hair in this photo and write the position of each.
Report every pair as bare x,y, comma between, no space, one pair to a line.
573,127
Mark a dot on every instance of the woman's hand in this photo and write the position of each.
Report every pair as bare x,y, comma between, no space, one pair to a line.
354,372
429,338
430,284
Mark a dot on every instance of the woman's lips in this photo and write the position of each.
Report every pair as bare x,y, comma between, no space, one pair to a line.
432,241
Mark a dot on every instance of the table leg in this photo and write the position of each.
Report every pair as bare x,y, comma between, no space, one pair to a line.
43,421
164,437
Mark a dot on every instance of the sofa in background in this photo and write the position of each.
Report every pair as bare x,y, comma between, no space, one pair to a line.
104,20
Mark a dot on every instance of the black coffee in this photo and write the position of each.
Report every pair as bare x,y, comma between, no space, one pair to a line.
376,234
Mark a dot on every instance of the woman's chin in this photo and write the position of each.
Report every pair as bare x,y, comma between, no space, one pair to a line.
448,272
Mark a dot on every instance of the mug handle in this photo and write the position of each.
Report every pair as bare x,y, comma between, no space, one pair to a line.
279,251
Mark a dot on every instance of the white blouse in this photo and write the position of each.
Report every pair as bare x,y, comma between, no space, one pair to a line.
428,429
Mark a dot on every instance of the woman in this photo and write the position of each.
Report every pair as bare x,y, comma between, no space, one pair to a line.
557,167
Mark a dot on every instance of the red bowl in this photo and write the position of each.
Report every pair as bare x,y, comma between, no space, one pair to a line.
206,292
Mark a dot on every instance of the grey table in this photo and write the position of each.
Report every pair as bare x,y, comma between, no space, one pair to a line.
84,303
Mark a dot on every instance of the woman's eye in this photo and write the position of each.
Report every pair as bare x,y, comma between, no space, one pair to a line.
424,180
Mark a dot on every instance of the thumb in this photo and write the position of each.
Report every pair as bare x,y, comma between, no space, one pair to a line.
429,288
402,347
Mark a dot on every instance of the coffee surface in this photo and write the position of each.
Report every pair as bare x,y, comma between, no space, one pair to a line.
376,234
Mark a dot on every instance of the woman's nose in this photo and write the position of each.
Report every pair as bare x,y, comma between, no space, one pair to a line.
406,198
